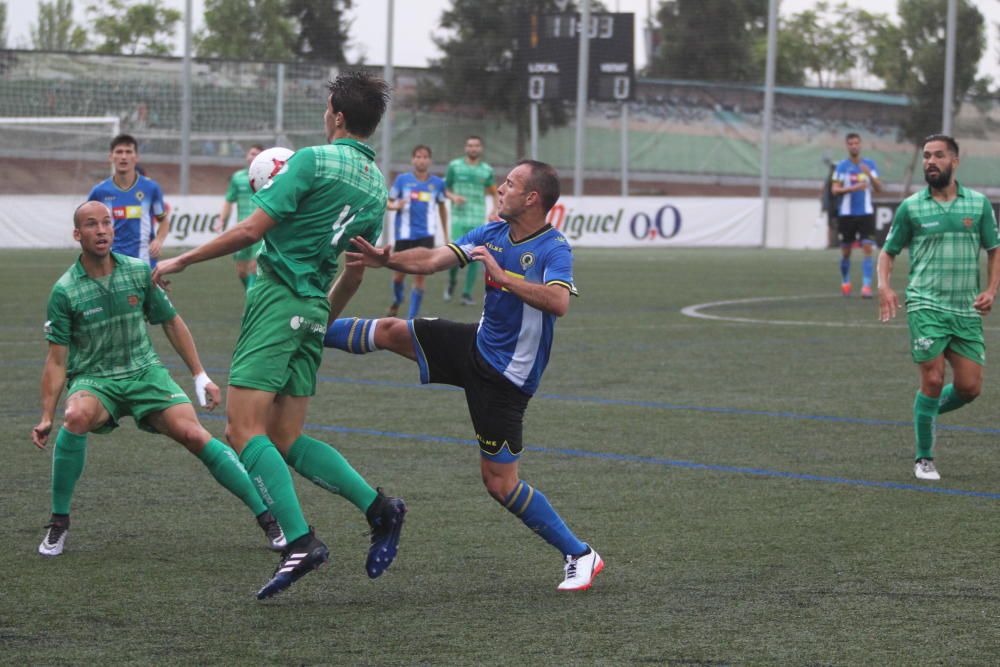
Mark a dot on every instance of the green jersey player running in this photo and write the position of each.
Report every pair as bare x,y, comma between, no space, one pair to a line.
321,198
945,227
239,193
98,342
468,180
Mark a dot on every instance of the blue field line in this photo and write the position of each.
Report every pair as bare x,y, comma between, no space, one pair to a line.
653,460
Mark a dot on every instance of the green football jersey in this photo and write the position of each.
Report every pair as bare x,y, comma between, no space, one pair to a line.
102,320
944,240
469,181
239,193
322,197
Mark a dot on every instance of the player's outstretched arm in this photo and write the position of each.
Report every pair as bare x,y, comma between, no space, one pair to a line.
182,341
984,301
888,300
343,290
422,261
246,233
53,379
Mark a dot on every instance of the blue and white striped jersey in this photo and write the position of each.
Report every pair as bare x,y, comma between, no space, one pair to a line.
133,211
513,337
419,217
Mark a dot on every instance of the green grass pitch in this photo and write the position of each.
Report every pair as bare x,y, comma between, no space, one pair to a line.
747,479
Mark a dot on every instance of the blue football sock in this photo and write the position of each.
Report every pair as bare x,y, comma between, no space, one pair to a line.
352,334
533,508
845,269
866,271
397,292
416,296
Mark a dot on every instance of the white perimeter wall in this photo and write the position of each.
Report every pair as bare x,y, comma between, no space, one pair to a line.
31,221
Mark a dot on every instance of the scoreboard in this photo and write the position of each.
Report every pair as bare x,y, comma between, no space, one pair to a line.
548,52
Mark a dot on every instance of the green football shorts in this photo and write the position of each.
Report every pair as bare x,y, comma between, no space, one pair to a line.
151,390
933,331
281,340
248,253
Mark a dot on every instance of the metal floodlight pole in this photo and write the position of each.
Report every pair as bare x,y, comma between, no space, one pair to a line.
581,95
387,74
765,156
624,157
186,105
947,108
534,129
279,106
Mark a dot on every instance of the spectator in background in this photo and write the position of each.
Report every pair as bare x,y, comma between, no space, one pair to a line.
855,178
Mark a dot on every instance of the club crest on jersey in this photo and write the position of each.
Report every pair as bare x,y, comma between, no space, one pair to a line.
133,300
140,195
967,222
527,261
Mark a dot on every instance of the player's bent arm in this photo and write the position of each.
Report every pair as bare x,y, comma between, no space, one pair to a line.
443,215
876,184
162,227
423,261
53,379
394,205
343,290
227,210
242,235
888,300
553,299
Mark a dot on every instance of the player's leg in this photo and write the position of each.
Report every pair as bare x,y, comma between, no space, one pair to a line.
398,289
84,413
966,354
847,230
472,271
361,336
324,466
866,232
416,296
925,410
497,410
180,423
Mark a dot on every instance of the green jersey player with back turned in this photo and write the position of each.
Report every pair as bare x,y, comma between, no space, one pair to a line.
945,227
239,192
321,198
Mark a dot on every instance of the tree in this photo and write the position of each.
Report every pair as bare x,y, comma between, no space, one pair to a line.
246,29
55,30
141,28
478,63
710,40
323,29
910,58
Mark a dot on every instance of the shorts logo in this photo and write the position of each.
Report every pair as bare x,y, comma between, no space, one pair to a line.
527,261
133,300
298,322
923,344
295,323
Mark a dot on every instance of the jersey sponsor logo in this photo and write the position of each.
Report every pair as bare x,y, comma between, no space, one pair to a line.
118,213
126,212
133,300
933,223
93,311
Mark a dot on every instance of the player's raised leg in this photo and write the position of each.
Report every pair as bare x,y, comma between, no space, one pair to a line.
323,465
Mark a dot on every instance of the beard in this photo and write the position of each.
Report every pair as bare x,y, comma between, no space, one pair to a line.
938,180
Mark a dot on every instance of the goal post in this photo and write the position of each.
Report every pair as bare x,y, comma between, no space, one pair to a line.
57,137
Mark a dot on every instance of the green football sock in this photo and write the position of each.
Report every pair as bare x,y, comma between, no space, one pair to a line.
471,275
950,400
67,465
925,409
227,470
452,276
268,472
243,280
324,466
250,280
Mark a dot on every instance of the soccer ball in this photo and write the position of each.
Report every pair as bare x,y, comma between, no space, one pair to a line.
266,165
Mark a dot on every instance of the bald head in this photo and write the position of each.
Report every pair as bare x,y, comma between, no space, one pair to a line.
89,209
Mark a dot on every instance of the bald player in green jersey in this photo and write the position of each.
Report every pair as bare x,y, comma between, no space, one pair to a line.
320,199
239,193
945,226
468,180
98,342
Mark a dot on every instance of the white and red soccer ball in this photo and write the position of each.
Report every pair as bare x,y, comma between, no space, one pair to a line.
266,165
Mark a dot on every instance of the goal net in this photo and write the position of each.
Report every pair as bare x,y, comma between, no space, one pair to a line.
57,137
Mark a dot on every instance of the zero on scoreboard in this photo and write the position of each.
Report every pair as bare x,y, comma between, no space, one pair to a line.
548,49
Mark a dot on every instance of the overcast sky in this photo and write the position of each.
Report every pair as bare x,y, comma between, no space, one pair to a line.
416,20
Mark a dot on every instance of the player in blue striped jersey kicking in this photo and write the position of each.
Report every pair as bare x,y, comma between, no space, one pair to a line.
499,360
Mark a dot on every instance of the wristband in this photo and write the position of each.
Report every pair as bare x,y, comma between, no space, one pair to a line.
201,381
